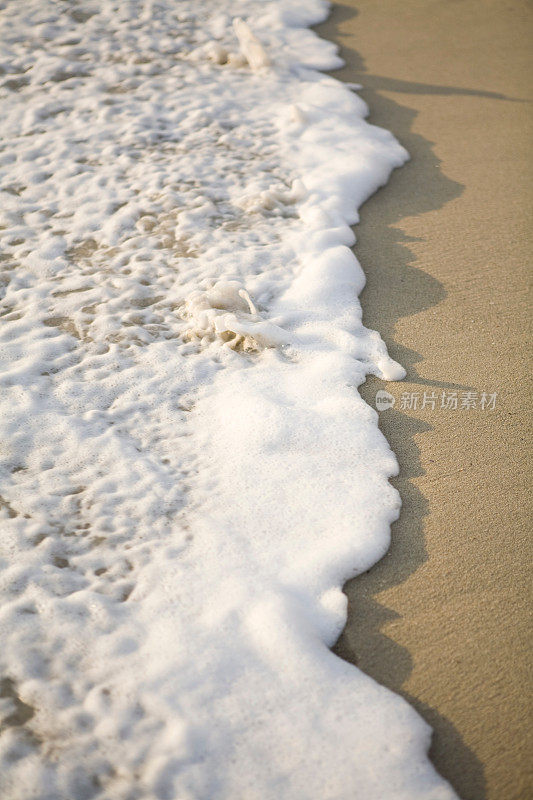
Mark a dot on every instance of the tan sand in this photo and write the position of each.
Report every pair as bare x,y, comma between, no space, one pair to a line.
444,619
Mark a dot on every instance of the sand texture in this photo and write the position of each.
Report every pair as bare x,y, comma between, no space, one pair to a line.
444,619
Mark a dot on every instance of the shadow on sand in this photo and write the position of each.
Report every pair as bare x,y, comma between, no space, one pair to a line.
395,289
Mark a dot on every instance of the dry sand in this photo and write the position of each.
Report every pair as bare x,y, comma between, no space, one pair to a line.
444,619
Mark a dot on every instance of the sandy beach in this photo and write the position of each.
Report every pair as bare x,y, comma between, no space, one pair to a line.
444,618
189,475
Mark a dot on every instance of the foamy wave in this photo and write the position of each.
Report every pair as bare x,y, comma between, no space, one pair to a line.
189,474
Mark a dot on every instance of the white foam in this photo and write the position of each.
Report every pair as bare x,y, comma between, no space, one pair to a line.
226,312
189,473
251,48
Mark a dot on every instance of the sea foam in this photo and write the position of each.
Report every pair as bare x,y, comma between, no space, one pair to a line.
189,474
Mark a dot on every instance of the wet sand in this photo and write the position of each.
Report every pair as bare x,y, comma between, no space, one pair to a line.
444,618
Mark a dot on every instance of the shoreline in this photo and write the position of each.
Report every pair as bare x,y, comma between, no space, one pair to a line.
443,619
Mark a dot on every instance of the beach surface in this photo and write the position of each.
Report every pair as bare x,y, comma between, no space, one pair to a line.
444,618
